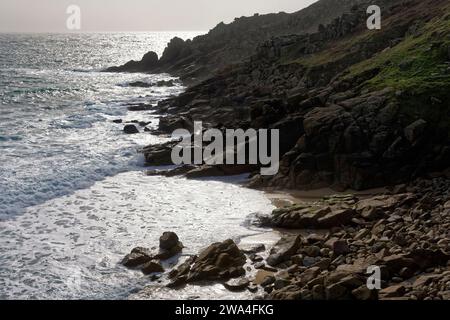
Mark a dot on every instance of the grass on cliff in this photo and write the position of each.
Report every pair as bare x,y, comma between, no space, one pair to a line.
417,64
417,68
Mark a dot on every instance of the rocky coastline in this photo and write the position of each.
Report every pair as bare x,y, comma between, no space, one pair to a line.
356,110
326,249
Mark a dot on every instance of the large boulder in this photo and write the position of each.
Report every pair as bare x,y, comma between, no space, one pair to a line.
285,249
147,260
168,240
135,259
152,267
130,129
221,260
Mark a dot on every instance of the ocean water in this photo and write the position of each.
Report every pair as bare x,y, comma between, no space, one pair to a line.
73,196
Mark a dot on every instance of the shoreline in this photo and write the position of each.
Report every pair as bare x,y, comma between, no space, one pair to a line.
267,237
283,263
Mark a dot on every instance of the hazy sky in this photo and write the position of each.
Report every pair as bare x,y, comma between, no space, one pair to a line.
134,15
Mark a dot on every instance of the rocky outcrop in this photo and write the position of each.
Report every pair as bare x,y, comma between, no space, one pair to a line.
404,235
344,120
148,63
220,261
130,129
148,260
232,43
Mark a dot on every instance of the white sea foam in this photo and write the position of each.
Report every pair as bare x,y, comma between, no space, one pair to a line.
70,247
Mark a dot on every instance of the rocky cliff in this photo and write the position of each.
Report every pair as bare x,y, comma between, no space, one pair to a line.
355,107
232,43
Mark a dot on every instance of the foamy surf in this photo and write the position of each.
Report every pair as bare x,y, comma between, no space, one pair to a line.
70,247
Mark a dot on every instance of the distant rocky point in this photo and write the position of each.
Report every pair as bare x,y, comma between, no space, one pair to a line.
197,59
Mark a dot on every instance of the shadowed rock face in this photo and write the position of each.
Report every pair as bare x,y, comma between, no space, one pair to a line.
349,113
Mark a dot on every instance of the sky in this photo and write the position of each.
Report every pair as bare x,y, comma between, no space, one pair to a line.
134,15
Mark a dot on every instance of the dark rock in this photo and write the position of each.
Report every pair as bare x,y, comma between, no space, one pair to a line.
165,254
268,281
338,246
415,130
148,63
363,293
140,84
168,240
136,259
336,292
336,218
284,249
392,291
152,267
165,83
254,249
237,284
159,155
219,261
130,129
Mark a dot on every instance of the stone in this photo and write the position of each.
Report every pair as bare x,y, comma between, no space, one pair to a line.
177,282
149,60
135,259
363,293
167,254
239,284
393,291
447,205
280,283
268,281
309,274
254,249
336,218
168,240
152,267
396,262
318,292
336,292
415,130
284,249
309,261
261,275
424,280
297,259
140,84
312,251
338,246
222,260
130,129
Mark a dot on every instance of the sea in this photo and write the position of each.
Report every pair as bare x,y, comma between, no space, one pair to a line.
74,197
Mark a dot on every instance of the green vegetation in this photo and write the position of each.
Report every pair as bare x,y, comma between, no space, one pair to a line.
417,64
417,69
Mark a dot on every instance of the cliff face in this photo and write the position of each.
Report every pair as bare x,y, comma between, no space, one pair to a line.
232,43
356,108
